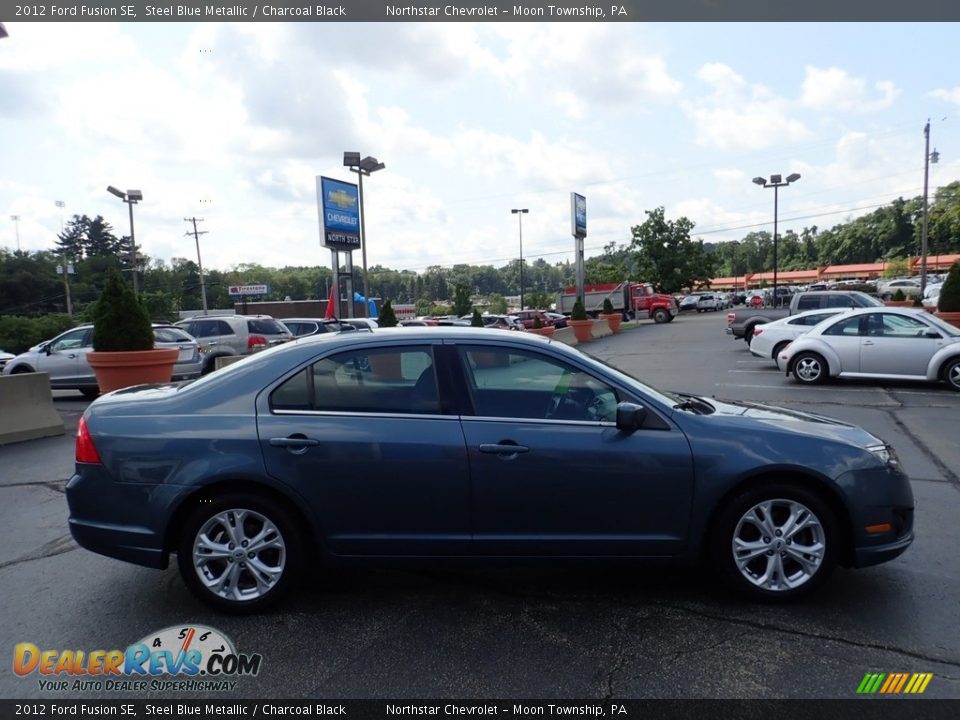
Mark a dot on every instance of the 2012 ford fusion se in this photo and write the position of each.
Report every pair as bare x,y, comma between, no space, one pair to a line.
462,444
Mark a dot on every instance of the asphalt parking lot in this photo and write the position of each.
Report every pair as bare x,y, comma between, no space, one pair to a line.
612,632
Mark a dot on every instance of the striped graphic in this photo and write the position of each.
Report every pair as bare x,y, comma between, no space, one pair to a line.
894,683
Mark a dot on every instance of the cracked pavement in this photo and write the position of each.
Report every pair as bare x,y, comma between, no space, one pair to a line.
551,632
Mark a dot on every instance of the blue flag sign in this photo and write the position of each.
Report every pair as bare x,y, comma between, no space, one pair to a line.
339,206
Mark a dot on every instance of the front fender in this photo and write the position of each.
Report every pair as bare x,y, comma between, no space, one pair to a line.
950,352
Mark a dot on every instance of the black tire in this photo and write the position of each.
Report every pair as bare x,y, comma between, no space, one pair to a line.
748,335
777,348
950,372
809,368
661,316
20,369
90,393
766,577
670,317
215,513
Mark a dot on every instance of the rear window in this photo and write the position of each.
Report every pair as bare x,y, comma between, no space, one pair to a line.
265,326
170,335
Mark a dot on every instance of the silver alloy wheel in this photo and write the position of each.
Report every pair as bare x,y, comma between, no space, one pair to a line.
239,554
808,368
778,545
953,376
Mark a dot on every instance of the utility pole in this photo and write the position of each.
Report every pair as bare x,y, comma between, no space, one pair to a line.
63,259
196,237
928,157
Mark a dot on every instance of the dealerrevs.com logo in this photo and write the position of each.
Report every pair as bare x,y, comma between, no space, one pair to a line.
202,658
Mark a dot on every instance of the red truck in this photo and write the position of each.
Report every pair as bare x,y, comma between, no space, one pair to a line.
633,298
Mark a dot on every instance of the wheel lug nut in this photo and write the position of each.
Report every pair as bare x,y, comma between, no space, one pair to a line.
766,539
243,565
779,533
770,553
244,543
250,555
231,546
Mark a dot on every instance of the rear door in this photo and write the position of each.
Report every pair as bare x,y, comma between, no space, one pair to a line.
364,437
844,338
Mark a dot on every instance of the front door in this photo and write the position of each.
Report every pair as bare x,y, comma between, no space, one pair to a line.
897,344
64,359
551,475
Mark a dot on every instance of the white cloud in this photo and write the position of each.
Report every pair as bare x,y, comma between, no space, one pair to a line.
738,116
835,89
951,95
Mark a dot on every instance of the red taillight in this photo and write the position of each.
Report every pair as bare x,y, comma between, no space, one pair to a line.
757,331
730,318
255,342
86,451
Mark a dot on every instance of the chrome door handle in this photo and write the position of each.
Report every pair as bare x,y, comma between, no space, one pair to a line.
868,342
294,442
503,448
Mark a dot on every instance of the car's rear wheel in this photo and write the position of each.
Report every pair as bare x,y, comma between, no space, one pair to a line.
809,368
951,373
774,542
661,316
239,552
778,348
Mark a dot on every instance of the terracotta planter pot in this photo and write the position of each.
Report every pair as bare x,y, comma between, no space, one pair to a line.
898,303
545,331
115,370
951,317
583,329
613,320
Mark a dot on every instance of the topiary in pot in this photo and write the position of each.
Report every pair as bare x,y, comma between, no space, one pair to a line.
612,317
475,319
120,321
123,352
388,318
607,307
899,296
581,324
948,305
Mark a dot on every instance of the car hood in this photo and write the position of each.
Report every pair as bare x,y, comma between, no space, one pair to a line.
810,424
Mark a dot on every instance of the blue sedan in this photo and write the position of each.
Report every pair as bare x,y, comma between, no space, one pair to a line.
458,443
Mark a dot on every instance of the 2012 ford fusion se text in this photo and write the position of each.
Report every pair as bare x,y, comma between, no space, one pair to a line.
467,444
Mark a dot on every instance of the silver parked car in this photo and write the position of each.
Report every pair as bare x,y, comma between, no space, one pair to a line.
223,335
65,358
889,343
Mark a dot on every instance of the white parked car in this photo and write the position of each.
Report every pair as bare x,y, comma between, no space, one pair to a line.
887,289
708,301
889,343
931,296
770,338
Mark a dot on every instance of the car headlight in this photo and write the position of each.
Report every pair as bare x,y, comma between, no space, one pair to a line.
885,453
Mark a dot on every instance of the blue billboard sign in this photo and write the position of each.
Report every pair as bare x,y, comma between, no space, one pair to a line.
578,215
339,206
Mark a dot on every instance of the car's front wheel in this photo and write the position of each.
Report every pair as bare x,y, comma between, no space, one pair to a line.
951,374
239,552
774,542
809,368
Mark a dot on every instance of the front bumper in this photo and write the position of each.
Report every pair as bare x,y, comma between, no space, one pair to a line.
867,556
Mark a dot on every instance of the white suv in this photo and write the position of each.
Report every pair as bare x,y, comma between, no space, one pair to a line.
221,335
708,301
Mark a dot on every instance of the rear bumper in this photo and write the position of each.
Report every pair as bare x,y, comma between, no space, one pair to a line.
134,545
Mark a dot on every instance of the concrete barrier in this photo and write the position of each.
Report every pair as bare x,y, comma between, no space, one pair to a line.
26,408
224,360
565,335
601,328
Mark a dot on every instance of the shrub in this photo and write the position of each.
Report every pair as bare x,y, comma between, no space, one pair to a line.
608,307
18,334
950,292
120,321
899,296
579,313
475,319
388,318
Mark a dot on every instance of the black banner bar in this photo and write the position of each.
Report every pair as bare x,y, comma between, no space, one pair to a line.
482,11
855,709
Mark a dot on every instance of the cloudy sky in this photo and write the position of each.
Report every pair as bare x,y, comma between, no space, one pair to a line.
233,122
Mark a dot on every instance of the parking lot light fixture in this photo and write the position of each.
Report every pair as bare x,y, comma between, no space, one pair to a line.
363,167
519,212
776,182
131,198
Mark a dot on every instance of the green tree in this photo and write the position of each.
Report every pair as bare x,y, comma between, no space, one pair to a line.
665,254
121,322
950,292
388,318
461,300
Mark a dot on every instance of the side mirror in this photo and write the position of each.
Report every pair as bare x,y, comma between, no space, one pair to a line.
46,348
630,416
932,334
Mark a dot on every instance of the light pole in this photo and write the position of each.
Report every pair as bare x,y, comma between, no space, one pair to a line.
362,167
63,259
16,224
519,212
776,182
131,198
928,157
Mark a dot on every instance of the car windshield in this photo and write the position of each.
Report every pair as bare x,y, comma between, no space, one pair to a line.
668,399
942,325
